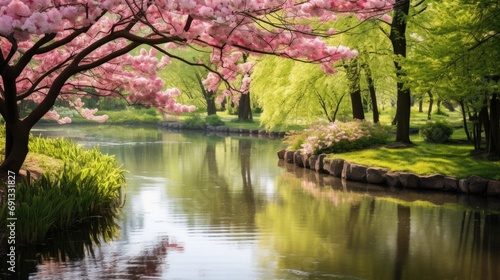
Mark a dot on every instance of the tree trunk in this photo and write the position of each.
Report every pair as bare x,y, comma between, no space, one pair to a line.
485,121
431,102
210,99
464,120
244,108
493,139
373,94
16,146
398,40
421,105
353,74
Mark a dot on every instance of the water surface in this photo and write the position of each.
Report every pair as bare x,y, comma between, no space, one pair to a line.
223,207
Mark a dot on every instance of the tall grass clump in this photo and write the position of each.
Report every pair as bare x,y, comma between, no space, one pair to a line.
89,186
337,137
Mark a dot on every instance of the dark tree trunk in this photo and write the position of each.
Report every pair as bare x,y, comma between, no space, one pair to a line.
431,102
244,108
16,131
485,121
477,131
16,146
398,40
373,94
353,76
210,99
493,144
464,120
420,105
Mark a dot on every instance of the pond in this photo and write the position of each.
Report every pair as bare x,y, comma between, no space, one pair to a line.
223,207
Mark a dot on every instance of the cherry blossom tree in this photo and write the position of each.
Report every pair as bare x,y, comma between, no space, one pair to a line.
69,49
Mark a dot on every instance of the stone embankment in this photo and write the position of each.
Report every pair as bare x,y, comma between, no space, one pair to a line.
223,129
381,176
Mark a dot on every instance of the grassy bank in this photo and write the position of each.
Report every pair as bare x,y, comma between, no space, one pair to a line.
77,187
453,160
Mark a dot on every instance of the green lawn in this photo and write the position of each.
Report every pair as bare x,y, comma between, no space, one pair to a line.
449,159
424,158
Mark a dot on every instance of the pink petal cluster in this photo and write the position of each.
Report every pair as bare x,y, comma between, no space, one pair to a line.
53,115
89,36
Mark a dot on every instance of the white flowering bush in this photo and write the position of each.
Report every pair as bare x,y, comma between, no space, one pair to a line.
337,137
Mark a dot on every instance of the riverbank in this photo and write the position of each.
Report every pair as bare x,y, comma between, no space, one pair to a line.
342,168
222,129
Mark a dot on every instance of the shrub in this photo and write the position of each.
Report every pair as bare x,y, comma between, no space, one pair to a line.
214,120
338,137
436,132
194,122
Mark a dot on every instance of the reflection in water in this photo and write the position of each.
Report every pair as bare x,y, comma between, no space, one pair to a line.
403,240
219,207
150,262
423,238
68,246
245,148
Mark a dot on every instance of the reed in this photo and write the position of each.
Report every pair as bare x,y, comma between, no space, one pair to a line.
89,186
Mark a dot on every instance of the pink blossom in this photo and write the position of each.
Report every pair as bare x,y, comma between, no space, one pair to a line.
19,8
230,29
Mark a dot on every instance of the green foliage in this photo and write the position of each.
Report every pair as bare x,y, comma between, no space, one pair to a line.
214,120
338,137
195,121
436,132
88,187
132,115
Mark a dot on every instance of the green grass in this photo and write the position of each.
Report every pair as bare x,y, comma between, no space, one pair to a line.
423,158
77,186
426,158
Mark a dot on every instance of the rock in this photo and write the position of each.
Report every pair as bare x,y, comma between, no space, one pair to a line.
345,167
289,156
327,166
409,180
336,167
392,180
281,154
433,182
493,188
450,184
355,172
305,160
318,166
462,186
312,161
375,175
298,159
477,184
